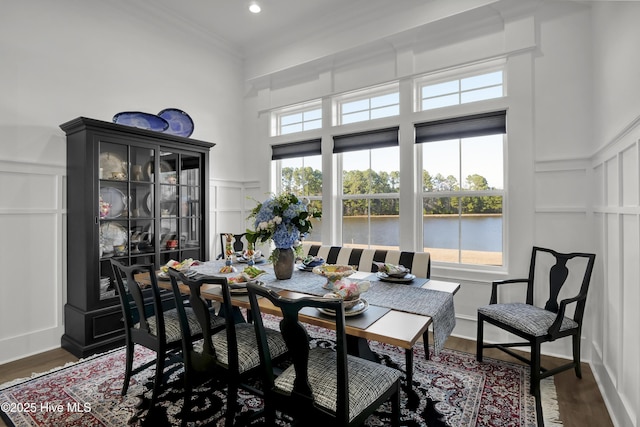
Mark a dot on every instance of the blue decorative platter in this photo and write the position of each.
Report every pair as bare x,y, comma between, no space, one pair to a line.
141,120
180,123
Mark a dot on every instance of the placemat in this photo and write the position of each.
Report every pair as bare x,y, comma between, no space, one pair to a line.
361,321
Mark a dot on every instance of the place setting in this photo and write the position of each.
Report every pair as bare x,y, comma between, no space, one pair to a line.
349,292
393,273
310,262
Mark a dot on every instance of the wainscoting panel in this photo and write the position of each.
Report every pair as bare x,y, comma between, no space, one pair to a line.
629,167
232,203
612,297
630,296
614,339
32,258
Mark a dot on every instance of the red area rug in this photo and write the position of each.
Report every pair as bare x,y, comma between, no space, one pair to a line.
451,389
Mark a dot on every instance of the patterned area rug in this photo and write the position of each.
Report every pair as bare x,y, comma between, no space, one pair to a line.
451,389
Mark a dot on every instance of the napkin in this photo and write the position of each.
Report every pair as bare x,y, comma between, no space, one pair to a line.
391,269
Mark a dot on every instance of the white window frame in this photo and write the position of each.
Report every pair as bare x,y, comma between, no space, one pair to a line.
341,196
364,95
421,195
308,107
457,75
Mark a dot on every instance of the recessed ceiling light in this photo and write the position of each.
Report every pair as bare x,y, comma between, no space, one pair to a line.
254,7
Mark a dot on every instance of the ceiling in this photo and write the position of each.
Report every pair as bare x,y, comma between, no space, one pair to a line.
231,22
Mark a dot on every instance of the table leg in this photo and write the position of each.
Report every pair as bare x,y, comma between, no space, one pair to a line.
359,347
425,338
408,355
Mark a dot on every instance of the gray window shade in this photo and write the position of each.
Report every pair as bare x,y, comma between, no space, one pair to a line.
379,138
312,147
462,127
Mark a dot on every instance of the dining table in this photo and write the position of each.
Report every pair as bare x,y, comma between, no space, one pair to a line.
397,314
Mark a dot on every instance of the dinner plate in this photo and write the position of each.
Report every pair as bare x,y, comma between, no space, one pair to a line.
111,163
179,122
244,260
112,234
303,267
385,278
165,276
141,120
116,199
241,288
359,308
148,202
164,168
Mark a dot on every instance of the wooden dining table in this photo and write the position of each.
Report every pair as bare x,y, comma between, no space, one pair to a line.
391,326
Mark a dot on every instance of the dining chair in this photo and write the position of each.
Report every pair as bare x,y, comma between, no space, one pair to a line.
538,325
229,354
239,243
322,386
148,321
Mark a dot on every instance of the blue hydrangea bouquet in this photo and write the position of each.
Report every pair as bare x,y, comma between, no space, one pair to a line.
284,219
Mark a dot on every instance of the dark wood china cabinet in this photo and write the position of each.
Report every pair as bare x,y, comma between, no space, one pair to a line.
135,195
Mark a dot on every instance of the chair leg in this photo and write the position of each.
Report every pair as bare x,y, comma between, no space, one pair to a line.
395,408
157,382
479,339
186,403
128,366
232,403
576,355
535,368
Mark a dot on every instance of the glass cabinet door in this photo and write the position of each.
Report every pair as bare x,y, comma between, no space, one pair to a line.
149,208
126,209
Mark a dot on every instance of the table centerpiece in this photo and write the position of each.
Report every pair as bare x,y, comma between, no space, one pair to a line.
285,220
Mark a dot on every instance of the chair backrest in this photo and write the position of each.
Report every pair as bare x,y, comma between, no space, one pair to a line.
558,274
297,341
129,289
201,310
418,262
239,243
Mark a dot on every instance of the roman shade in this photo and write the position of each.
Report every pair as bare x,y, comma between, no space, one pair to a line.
311,147
462,127
378,138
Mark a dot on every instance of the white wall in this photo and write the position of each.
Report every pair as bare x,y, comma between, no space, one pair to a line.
71,58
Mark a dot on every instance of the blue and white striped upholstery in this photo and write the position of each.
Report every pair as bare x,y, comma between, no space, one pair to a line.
419,263
525,317
367,380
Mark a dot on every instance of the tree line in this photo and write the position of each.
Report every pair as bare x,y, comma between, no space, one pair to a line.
306,181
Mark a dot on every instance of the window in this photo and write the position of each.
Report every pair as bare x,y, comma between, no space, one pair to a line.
463,188
369,105
461,91
370,187
299,119
299,168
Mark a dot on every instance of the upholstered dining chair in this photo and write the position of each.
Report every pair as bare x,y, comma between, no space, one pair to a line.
322,386
149,322
239,243
540,324
229,354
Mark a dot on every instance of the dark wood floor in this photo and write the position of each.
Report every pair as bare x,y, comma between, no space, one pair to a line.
579,400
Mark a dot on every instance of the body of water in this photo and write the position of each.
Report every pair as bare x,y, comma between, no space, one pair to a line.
477,232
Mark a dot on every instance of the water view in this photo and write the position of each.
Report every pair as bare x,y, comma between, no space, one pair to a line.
479,237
